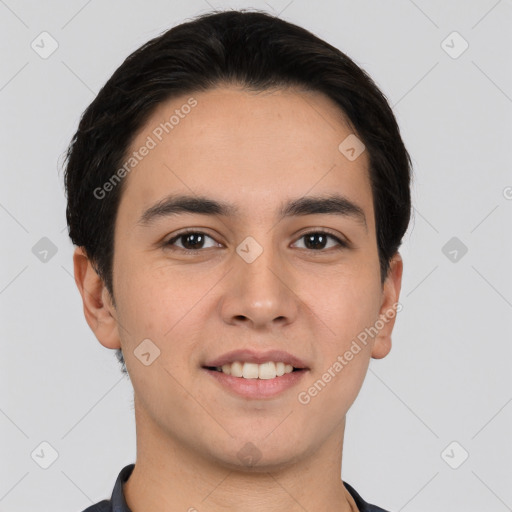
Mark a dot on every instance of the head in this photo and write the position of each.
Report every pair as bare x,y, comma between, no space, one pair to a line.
248,116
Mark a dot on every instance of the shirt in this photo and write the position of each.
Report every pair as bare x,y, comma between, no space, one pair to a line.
117,503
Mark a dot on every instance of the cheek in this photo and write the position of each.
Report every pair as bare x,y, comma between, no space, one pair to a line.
158,309
343,350
163,305
151,300
345,304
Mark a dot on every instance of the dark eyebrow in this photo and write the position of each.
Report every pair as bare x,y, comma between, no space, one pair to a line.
308,205
175,204
334,204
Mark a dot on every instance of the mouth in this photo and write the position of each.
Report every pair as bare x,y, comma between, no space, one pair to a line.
250,364
265,371
256,375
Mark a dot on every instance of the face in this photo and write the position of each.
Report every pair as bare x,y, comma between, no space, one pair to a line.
272,267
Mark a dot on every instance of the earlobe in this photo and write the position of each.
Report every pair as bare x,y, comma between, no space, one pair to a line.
389,308
98,307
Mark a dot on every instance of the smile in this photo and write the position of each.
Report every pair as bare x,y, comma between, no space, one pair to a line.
255,387
268,370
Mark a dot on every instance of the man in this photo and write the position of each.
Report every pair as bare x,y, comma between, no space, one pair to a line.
238,192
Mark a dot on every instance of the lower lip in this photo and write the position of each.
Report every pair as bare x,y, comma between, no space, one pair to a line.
257,388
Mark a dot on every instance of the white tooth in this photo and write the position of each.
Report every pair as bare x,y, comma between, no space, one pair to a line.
250,371
279,369
267,370
237,369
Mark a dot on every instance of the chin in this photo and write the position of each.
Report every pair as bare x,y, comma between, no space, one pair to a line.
254,457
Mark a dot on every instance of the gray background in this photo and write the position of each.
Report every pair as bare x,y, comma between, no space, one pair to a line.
448,375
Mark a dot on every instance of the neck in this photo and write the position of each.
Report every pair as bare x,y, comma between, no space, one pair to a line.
169,475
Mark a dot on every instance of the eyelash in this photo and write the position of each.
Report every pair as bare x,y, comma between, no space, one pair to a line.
170,242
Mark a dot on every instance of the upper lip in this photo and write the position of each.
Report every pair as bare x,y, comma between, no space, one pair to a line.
253,356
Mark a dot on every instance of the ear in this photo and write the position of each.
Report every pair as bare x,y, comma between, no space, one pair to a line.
98,308
388,309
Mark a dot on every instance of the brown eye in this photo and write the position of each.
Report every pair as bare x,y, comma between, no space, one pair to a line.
191,241
318,240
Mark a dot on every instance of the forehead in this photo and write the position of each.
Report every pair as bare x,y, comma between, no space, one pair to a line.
231,144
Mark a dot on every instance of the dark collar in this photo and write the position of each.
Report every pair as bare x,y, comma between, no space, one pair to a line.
118,501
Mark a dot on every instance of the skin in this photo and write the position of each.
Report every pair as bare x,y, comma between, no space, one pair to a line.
255,151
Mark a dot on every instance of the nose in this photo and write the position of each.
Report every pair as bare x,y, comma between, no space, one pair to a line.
259,294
